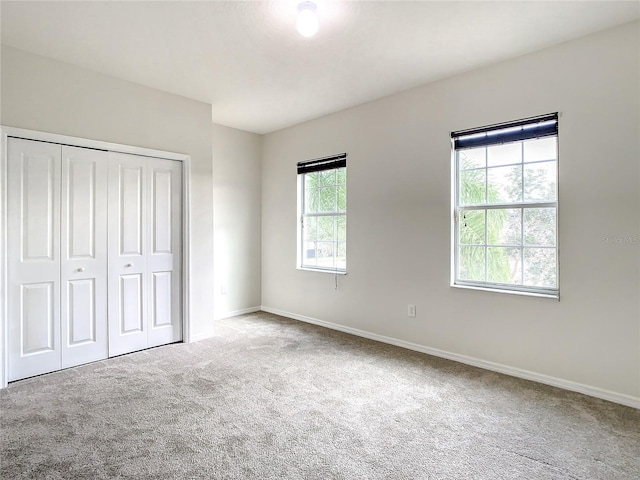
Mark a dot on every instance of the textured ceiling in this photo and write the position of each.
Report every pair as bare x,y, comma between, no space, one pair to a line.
247,60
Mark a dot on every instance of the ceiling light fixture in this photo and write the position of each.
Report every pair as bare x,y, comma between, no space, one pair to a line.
307,23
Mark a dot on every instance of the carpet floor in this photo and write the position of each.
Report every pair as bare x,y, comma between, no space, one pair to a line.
273,398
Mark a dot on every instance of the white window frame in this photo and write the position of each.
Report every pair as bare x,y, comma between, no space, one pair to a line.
334,162
507,129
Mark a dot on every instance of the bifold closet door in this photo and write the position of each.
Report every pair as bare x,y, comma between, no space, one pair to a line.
144,252
57,257
84,256
164,258
33,258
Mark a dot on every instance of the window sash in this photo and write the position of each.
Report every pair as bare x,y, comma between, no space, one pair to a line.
335,241
511,132
522,246
334,186
336,163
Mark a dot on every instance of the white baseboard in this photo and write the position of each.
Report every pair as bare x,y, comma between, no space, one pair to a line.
212,333
620,398
235,313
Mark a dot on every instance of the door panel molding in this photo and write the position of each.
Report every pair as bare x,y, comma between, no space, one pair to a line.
81,228
129,190
82,312
37,318
37,245
130,305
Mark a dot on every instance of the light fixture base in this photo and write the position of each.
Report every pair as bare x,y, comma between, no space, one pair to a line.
307,23
307,5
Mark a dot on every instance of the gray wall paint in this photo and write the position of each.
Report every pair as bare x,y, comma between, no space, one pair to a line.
399,225
46,95
237,219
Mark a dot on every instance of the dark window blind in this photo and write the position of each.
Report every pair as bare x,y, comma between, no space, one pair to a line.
516,131
325,163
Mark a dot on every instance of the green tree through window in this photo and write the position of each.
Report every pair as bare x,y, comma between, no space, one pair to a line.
478,227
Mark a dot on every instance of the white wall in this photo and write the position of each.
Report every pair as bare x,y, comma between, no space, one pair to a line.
237,214
46,95
399,216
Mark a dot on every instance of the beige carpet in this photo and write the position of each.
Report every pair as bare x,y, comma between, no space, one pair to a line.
273,398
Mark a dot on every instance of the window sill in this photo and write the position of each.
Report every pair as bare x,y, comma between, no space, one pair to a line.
555,296
322,270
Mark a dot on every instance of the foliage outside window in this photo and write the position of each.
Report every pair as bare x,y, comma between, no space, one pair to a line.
322,200
506,204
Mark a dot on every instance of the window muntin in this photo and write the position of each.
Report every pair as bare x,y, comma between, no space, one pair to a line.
323,214
506,202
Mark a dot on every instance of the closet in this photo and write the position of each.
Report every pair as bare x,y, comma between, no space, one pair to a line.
93,255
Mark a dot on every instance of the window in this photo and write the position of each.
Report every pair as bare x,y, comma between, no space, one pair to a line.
322,203
506,206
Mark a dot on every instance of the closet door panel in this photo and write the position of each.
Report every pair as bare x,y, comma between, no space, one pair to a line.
81,321
84,255
165,253
127,211
161,299
37,318
131,304
131,188
33,258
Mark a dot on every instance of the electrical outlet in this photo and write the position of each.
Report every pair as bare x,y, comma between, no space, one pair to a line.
223,290
411,310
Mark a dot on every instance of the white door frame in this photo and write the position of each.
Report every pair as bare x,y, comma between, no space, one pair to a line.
7,132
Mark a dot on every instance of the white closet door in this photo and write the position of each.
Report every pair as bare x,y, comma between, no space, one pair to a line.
33,257
145,252
94,255
165,252
128,192
84,256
